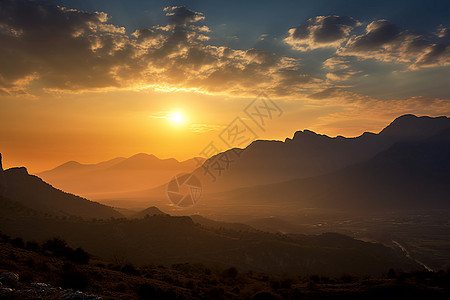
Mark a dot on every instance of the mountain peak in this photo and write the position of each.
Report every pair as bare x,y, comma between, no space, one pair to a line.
18,171
143,156
1,165
306,133
411,125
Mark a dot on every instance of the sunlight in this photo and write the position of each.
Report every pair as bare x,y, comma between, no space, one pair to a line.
176,118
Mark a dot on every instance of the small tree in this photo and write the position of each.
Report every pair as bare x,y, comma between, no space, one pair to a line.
79,256
58,247
32,245
18,242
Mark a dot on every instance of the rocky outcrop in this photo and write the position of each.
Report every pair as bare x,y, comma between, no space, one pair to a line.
12,288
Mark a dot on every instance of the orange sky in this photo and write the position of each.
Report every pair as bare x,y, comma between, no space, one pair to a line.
74,86
43,132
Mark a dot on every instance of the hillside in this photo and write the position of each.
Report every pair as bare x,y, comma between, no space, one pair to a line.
41,274
34,193
169,240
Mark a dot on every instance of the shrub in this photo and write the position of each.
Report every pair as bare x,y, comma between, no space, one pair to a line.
264,296
121,287
130,269
30,263
73,278
391,274
148,291
32,245
18,242
230,273
57,247
79,256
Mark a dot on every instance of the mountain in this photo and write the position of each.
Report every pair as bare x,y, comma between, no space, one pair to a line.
151,211
34,193
168,240
309,154
198,219
409,175
116,176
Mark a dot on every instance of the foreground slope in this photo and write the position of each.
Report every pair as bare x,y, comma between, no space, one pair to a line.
33,192
162,239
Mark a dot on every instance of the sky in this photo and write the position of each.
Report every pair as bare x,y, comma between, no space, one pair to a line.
93,80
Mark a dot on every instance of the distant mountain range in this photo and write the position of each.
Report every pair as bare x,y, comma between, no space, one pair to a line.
309,154
119,175
407,176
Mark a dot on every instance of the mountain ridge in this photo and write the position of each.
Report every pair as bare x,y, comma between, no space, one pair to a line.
309,154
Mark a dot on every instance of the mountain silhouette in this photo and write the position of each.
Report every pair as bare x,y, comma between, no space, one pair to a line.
310,154
33,192
150,211
408,175
306,155
117,176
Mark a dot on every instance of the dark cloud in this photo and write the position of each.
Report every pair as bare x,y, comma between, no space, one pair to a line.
321,31
386,42
378,33
333,28
382,41
54,48
435,54
56,45
180,15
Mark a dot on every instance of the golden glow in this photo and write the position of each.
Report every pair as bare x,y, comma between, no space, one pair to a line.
177,118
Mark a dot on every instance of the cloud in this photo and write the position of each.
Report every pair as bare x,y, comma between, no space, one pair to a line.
385,42
49,48
200,128
321,31
381,40
339,68
180,15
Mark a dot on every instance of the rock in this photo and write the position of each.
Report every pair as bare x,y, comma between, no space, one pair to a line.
9,279
40,285
6,291
80,296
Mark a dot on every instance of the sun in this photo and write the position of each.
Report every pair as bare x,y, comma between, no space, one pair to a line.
176,117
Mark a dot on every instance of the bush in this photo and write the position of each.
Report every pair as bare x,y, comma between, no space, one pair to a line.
57,247
121,287
130,269
391,274
74,278
32,245
230,273
264,296
18,242
79,256
148,291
